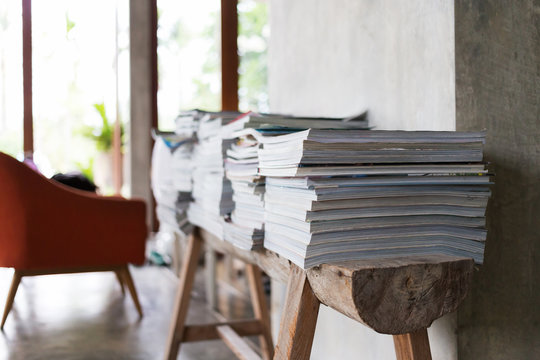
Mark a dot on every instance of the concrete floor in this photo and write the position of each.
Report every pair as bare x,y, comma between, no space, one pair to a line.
85,316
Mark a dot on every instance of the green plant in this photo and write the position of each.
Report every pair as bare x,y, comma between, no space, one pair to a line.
86,170
103,135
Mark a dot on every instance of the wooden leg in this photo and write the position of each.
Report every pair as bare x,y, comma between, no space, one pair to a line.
187,277
260,309
11,296
299,318
128,280
119,278
238,346
210,281
177,254
412,346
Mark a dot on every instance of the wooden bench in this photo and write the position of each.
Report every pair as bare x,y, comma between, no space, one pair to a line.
401,297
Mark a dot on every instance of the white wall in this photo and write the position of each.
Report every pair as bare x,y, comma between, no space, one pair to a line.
339,57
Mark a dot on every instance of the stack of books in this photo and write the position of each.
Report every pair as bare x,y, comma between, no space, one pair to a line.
245,228
337,195
212,191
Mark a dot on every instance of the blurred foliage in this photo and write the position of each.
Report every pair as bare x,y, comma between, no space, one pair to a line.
102,135
207,94
69,24
253,32
87,169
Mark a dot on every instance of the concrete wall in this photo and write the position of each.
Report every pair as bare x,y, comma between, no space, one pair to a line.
396,59
497,88
340,57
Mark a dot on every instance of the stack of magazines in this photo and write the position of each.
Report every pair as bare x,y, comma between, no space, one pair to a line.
245,228
337,195
212,191
171,175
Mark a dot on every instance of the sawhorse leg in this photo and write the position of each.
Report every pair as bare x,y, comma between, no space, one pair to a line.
412,346
260,309
231,331
183,295
299,318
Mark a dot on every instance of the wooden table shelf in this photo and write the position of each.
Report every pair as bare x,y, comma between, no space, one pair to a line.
398,296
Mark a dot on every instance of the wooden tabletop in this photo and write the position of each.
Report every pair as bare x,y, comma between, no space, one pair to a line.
391,296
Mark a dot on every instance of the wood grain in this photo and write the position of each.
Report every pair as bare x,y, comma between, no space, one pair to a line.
209,331
260,309
28,132
229,55
183,295
128,281
238,346
275,266
394,296
11,296
297,326
412,346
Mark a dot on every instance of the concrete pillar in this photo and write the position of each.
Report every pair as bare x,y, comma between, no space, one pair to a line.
140,146
497,88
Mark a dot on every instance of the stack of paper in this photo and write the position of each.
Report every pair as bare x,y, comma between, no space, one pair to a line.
246,226
335,195
171,173
212,191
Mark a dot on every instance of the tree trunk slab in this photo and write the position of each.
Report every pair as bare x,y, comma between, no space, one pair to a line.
391,296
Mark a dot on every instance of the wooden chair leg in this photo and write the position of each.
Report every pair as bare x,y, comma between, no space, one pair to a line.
412,346
260,309
183,296
299,318
11,296
119,278
128,281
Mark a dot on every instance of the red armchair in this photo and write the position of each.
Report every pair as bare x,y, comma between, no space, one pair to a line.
49,228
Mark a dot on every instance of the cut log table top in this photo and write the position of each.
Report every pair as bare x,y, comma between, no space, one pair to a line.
391,296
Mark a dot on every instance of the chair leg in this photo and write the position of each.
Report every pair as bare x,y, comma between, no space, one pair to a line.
128,280
11,296
119,278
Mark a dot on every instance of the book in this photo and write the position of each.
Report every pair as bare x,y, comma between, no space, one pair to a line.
326,182
395,169
284,123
